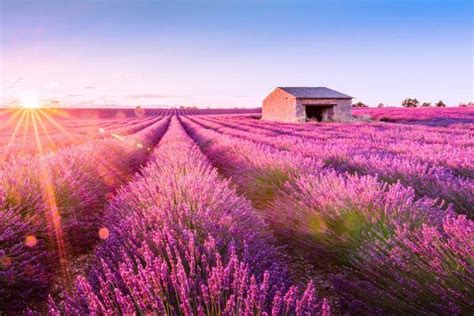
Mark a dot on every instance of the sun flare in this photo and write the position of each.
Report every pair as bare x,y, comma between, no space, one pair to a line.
29,102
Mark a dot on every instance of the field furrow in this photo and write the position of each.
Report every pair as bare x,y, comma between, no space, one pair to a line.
40,142
188,245
423,146
425,178
52,208
181,213
351,227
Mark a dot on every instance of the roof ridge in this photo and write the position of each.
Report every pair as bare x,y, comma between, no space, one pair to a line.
315,92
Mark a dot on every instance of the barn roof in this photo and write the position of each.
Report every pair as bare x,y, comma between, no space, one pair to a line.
314,93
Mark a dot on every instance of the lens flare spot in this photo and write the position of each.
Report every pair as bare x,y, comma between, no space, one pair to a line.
29,270
31,241
119,137
109,180
101,130
104,233
109,196
139,145
120,115
139,111
5,262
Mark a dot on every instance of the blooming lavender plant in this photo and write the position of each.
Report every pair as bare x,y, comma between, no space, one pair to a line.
429,270
58,204
271,217
368,158
340,222
24,267
461,117
188,245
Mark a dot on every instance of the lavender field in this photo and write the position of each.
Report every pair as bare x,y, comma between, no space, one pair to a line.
217,212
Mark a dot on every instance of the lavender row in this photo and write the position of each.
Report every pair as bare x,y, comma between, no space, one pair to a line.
430,135
221,111
52,206
427,180
461,117
382,247
182,242
452,149
34,143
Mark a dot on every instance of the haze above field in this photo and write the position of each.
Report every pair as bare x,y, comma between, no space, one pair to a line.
101,53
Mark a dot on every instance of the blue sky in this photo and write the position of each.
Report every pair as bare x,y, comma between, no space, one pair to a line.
233,53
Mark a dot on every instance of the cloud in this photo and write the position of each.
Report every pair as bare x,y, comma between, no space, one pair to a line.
121,76
75,95
52,85
90,87
85,103
6,102
152,96
54,102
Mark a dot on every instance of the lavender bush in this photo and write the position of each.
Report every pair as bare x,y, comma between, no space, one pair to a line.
57,199
345,225
188,245
236,216
371,158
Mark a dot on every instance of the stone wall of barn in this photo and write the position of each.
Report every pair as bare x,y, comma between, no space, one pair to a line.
342,110
279,106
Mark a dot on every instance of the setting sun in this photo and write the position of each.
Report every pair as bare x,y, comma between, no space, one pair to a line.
29,102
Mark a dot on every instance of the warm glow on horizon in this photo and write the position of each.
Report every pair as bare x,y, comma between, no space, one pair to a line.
29,102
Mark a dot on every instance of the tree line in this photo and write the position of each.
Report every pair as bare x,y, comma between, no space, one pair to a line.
408,103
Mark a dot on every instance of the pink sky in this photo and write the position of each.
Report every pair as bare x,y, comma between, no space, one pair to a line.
101,53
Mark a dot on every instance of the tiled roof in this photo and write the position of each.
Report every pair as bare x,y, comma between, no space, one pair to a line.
314,93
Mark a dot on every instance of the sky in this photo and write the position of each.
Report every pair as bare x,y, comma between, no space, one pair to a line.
233,53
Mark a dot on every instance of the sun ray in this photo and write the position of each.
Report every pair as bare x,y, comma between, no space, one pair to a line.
47,134
25,129
37,126
16,113
53,122
6,111
50,199
60,113
114,173
13,136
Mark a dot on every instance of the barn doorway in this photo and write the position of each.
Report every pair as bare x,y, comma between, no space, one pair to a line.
318,112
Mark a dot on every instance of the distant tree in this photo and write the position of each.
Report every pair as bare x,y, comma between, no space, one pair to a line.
426,104
440,104
380,105
410,103
462,105
360,105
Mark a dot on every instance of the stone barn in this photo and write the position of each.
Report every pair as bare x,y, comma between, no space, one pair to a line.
300,104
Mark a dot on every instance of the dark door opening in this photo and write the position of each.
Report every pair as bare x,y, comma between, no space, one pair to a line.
319,113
